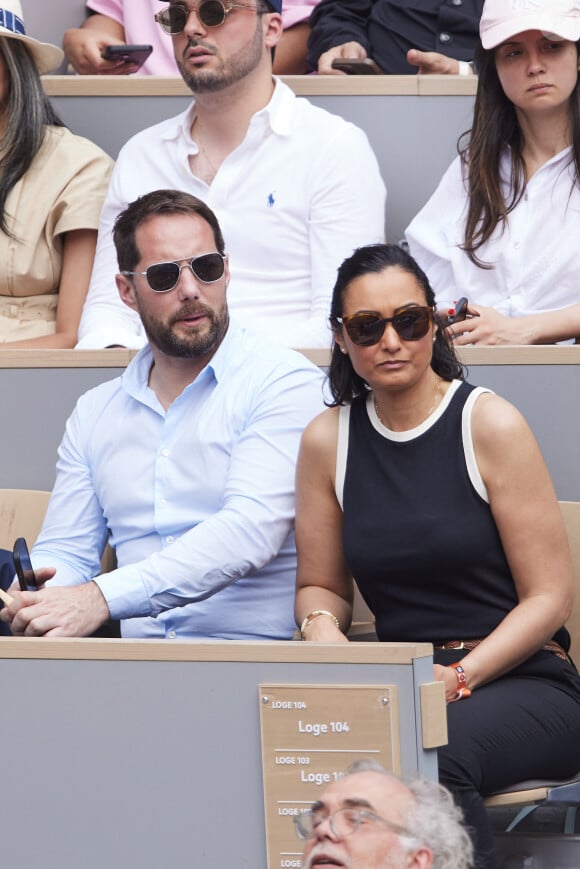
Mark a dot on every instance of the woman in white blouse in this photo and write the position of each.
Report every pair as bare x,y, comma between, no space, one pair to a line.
503,227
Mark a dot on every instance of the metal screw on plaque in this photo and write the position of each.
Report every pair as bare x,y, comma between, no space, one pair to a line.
385,701
265,699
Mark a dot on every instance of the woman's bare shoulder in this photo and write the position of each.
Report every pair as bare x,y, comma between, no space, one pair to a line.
502,438
495,417
321,435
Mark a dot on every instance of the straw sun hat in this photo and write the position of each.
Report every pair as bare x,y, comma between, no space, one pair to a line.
47,57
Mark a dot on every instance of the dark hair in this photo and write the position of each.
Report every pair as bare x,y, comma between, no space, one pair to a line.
150,205
495,127
26,111
345,383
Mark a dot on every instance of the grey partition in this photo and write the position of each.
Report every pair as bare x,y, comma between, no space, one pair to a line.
145,754
47,20
412,124
40,390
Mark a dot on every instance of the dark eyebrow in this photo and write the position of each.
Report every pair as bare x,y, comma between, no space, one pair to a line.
357,803
354,803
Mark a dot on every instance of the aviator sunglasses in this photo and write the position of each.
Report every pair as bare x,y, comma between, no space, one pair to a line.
163,277
211,13
367,327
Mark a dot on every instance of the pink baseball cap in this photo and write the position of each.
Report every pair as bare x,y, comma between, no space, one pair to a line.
502,19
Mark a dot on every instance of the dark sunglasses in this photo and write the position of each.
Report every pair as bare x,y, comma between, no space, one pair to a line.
163,277
367,327
211,13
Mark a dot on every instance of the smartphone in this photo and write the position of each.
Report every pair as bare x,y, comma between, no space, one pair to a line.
455,314
136,54
356,66
24,571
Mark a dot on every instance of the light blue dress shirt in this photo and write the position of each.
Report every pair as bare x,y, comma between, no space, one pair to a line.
198,499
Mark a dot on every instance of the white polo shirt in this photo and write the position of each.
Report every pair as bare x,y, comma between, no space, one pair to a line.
293,200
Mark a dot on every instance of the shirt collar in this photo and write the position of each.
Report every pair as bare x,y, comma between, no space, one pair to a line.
135,378
276,115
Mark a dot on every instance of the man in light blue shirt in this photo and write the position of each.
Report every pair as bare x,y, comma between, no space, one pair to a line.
186,462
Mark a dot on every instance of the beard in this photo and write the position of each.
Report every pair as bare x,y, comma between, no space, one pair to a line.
230,71
198,341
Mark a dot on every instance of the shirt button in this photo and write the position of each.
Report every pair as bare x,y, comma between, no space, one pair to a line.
169,539
516,245
164,452
445,38
171,635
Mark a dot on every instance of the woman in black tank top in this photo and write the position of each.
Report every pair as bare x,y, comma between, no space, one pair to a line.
434,496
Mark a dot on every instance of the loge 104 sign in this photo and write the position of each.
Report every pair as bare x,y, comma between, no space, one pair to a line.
310,735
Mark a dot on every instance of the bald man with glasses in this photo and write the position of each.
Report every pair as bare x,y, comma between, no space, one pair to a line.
295,188
369,819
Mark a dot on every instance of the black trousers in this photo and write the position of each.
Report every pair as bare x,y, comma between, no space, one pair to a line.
525,725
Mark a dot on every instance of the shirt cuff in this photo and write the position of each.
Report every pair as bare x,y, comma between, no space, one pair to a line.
125,593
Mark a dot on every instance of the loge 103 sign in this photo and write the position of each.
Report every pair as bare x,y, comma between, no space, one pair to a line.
310,735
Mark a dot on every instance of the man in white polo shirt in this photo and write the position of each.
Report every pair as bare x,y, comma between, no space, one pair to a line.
295,188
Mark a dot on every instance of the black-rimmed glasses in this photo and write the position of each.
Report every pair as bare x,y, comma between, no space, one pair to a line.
367,327
343,822
163,277
211,13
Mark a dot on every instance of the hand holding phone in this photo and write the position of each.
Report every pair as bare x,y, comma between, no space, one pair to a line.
356,65
454,313
134,54
24,572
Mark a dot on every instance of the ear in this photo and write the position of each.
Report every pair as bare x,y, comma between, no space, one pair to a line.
337,335
272,28
227,270
126,291
420,859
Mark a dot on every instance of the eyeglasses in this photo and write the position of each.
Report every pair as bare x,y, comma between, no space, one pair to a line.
343,822
367,327
163,277
211,13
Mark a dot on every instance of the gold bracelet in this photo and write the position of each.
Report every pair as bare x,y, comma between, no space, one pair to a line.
314,614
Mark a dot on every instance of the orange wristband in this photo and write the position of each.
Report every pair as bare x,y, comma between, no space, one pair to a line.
463,691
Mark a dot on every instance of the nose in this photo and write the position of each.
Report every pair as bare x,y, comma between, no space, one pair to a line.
194,26
390,340
535,62
324,830
188,286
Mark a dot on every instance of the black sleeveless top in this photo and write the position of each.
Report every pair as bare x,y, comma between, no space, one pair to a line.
419,538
